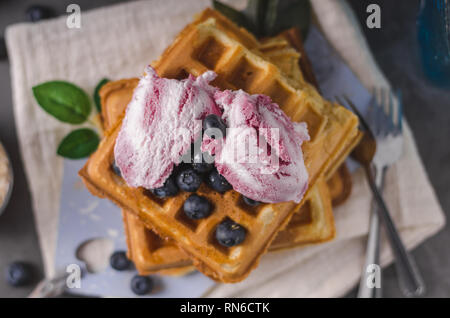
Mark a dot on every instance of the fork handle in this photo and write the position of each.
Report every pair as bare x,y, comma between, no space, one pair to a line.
410,280
373,248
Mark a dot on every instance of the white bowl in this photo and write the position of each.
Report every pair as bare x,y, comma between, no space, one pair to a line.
10,177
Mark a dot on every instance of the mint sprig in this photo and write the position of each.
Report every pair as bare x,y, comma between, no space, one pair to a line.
292,14
78,144
234,15
65,101
269,17
97,95
70,104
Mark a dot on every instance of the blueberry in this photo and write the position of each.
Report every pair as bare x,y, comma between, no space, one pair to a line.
218,182
116,169
169,189
200,165
119,261
214,121
141,285
197,207
250,202
229,233
18,274
3,53
36,13
188,180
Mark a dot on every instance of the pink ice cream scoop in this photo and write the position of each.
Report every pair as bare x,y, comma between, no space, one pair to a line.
261,156
161,121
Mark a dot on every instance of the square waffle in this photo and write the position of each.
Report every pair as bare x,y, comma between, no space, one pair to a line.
152,254
213,42
149,252
313,223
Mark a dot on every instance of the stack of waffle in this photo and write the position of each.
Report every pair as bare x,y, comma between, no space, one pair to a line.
160,237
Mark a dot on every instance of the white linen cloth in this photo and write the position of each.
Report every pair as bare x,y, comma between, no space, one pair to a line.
118,42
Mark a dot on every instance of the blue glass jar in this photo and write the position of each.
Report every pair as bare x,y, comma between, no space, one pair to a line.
434,39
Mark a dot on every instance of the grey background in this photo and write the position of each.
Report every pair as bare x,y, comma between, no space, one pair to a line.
396,50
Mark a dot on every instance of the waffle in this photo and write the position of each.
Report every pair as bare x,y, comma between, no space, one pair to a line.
340,185
213,42
287,52
279,51
149,252
313,223
152,254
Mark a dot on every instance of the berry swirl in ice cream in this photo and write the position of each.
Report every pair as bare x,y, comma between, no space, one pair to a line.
260,154
160,125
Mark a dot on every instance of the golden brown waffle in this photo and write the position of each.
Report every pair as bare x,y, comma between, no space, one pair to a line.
313,223
151,254
212,42
279,51
340,185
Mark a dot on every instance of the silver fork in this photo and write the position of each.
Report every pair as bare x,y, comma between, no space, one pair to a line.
380,148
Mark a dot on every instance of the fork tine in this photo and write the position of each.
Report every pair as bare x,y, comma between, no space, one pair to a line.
379,118
393,110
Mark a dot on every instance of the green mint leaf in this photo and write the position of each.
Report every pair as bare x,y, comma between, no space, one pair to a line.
234,15
271,17
79,144
65,101
96,94
293,14
256,12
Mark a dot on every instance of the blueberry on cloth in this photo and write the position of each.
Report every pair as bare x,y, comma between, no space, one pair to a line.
36,13
18,274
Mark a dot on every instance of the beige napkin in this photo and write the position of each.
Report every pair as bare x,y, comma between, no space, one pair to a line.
118,42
